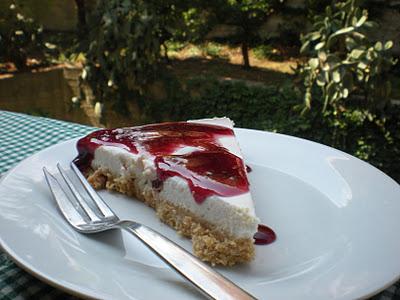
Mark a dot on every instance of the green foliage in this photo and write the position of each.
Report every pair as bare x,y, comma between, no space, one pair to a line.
247,105
175,46
373,137
213,49
124,49
172,18
260,107
342,58
20,37
267,52
197,21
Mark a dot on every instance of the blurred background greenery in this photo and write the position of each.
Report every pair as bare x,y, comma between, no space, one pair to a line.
319,69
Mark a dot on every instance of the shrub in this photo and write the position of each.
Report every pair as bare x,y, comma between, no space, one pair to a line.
267,52
212,49
343,60
350,74
20,37
260,107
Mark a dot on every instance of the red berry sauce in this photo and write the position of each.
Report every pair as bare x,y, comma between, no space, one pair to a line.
209,170
264,235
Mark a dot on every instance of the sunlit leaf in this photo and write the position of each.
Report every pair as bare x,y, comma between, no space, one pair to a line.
388,45
336,76
314,63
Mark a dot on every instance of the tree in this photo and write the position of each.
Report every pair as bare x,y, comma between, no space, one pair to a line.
248,16
123,54
170,14
81,10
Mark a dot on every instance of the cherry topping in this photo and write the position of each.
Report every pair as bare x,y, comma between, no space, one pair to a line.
208,172
209,168
264,235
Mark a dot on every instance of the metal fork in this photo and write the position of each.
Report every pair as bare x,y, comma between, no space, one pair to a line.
99,217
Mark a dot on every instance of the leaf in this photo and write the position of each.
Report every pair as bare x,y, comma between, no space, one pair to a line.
50,46
315,36
362,65
304,47
359,36
345,93
360,75
356,53
314,63
362,20
338,33
354,21
388,45
336,76
319,46
322,56
343,31
378,46
84,74
372,54
370,24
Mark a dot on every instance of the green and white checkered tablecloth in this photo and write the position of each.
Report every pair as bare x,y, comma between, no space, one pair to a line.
20,136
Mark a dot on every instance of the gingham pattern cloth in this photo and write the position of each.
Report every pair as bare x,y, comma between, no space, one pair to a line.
21,136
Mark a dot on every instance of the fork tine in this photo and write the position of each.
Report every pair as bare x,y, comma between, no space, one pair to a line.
101,205
64,204
82,203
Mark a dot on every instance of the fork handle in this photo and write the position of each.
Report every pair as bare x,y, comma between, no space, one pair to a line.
211,283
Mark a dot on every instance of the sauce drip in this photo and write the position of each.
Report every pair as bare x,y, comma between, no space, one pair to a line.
264,235
209,168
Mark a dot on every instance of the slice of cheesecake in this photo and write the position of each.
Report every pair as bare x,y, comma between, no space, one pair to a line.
192,173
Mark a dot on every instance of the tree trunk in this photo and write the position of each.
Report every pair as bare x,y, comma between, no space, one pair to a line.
245,54
164,45
80,5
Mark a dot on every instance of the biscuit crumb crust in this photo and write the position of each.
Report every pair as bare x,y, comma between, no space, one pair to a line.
209,243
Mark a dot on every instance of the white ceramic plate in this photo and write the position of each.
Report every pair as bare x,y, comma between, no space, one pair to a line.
337,220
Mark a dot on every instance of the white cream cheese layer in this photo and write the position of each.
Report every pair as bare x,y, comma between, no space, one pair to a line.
235,215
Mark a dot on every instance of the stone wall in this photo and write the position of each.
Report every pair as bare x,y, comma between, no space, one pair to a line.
46,93
54,93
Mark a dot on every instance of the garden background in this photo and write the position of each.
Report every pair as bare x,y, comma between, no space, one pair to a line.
322,70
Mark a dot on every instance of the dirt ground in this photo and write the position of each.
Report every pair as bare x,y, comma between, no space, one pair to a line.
192,60
228,64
